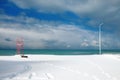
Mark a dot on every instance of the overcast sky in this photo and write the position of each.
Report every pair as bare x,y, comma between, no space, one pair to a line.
59,24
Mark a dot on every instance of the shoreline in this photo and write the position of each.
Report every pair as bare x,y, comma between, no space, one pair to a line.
39,57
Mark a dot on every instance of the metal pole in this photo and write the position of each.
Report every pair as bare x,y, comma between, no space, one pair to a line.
100,45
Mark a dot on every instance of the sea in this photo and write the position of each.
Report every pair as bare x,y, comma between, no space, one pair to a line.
10,52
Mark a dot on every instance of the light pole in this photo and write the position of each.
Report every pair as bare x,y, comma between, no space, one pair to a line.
100,25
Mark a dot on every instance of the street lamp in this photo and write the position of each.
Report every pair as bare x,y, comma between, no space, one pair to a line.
100,45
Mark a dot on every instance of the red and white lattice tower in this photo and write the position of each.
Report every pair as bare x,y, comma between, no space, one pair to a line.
19,45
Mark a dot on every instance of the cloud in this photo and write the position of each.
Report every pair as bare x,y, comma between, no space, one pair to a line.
45,35
76,6
7,39
49,36
106,11
53,34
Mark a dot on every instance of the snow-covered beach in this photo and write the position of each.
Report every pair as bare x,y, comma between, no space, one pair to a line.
56,67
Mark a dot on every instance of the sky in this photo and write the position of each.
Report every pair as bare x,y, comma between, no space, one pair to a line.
59,24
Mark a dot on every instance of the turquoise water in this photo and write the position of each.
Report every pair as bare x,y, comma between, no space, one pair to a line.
58,52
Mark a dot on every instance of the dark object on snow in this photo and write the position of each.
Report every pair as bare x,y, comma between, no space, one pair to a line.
24,56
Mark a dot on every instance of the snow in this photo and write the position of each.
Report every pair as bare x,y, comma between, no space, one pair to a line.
56,67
